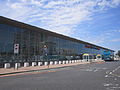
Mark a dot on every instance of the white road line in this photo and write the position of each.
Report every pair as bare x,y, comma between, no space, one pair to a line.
108,73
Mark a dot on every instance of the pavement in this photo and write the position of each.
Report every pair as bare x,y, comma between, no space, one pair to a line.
94,76
4,71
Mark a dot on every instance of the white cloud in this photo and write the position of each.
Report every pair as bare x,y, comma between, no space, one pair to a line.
116,40
116,2
118,31
98,38
60,16
108,3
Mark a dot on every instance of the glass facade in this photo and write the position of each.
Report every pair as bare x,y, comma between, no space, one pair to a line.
39,46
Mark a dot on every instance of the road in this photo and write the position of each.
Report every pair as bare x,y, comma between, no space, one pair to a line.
96,76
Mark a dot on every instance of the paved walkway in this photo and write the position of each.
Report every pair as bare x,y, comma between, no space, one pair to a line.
30,68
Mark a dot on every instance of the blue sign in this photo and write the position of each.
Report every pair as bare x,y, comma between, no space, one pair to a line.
106,53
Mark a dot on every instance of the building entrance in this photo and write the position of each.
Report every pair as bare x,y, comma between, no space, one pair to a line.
99,57
86,57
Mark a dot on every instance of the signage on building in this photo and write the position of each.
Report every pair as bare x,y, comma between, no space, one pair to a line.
92,47
45,50
106,53
16,48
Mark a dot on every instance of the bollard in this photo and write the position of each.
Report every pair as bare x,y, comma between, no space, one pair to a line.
63,62
7,65
73,61
66,62
39,63
59,62
26,64
70,61
46,63
34,63
51,62
17,65
55,62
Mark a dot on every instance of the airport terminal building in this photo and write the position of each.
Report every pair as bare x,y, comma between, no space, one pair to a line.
20,42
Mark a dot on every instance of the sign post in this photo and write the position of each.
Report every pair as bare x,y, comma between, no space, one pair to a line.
16,48
16,52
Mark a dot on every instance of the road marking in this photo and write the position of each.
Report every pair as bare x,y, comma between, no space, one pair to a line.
112,72
106,75
107,84
115,78
116,75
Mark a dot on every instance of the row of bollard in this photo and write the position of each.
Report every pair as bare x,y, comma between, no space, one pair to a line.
26,64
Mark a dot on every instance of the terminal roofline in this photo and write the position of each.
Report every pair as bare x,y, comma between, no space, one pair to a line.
4,20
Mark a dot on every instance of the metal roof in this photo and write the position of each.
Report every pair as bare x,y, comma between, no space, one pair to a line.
4,20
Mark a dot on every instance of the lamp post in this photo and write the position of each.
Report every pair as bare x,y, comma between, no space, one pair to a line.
45,52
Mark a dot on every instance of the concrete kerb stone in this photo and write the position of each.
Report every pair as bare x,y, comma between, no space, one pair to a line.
101,61
74,61
68,61
79,60
37,68
84,60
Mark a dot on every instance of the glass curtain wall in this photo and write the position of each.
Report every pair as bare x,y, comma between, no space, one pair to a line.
38,46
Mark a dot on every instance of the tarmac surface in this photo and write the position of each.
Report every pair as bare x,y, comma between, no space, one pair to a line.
95,76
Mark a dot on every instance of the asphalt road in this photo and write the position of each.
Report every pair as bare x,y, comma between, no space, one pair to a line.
97,76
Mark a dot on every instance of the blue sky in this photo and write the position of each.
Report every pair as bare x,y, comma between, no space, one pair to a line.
94,21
